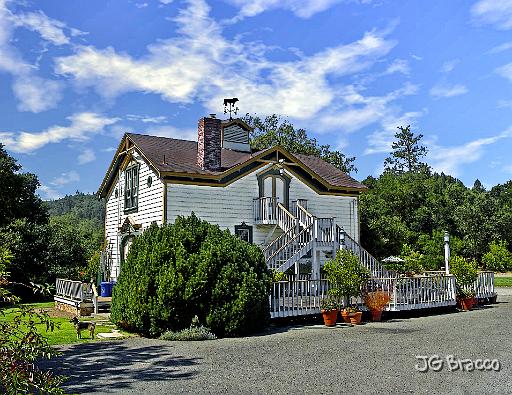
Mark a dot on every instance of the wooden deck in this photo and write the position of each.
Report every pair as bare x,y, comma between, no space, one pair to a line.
303,296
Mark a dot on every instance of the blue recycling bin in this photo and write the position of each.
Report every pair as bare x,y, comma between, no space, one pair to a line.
106,289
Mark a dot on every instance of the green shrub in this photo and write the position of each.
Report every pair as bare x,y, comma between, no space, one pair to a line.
278,276
499,258
188,268
345,275
409,262
464,270
196,332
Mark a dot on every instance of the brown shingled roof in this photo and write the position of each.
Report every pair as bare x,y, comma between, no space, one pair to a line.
181,156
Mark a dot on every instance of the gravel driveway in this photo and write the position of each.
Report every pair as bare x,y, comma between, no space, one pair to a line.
371,358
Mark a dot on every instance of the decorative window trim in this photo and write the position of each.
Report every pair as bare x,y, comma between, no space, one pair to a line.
131,192
239,229
125,239
275,173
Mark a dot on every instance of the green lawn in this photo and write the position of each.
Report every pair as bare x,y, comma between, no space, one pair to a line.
503,281
64,332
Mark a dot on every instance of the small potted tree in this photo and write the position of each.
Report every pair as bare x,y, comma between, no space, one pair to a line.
329,309
346,276
466,273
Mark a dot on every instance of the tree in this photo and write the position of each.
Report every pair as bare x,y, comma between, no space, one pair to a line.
22,346
406,153
18,193
272,131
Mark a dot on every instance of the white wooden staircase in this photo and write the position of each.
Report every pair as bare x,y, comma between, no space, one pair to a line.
302,232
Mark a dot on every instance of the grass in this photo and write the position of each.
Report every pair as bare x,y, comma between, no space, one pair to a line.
503,281
65,332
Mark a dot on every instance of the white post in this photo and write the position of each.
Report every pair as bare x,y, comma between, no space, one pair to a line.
447,252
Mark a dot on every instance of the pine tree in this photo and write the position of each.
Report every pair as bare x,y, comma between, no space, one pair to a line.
406,153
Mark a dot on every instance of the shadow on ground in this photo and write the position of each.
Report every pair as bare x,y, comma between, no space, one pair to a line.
120,365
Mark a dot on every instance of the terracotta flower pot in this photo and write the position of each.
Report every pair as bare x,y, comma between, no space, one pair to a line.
330,317
345,316
376,315
355,318
466,303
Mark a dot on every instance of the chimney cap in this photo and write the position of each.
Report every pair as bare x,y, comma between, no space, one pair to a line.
213,116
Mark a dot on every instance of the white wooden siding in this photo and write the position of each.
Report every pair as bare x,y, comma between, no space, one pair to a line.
231,205
343,208
150,208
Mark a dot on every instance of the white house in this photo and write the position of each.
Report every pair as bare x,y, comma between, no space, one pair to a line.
297,207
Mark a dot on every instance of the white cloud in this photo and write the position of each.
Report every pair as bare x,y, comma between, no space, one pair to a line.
505,104
146,118
450,159
36,94
505,71
399,66
501,48
66,178
86,156
493,12
201,64
380,140
48,193
442,90
449,65
141,5
301,8
166,1
50,30
81,127
361,111
33,92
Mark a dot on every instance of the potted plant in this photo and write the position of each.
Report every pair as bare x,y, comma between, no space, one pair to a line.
466,273
329,309
354,314
376,301
346,276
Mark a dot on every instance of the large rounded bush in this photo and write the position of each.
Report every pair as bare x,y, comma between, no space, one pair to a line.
188,268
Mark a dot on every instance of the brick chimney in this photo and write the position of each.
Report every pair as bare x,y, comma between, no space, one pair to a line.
209,143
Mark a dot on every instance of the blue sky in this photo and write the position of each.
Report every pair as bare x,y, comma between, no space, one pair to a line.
74,76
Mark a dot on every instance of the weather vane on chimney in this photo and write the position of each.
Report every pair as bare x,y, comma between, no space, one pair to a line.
229,106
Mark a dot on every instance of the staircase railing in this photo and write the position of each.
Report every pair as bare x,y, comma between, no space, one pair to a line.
278,243
303,215
285,219
297,245
367,260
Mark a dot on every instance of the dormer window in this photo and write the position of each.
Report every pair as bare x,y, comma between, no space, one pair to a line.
131,188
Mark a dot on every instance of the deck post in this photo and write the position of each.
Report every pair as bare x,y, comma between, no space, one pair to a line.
447,252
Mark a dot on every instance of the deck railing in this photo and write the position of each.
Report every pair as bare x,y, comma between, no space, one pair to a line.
73,290
423,292
324,230
483,287
294,298
265,210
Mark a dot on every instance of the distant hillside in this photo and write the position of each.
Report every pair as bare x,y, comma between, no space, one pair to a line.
81,205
